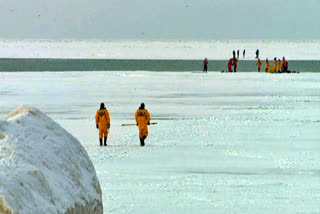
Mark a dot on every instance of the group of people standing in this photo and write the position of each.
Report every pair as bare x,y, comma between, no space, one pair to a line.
238,53
233,62
232,65
103,123
278,65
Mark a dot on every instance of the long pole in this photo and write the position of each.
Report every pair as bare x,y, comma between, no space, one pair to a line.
134,124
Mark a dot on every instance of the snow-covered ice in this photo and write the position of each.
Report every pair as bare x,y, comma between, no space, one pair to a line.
44,169
224,143
131,49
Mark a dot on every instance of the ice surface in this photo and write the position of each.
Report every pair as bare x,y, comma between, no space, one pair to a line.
224,143
130,49
44,169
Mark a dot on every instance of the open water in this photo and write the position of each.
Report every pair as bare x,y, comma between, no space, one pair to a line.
33,64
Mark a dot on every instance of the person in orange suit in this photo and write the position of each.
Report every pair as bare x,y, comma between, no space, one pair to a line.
275,64
103,123
259,63
278,65
266,65
143,118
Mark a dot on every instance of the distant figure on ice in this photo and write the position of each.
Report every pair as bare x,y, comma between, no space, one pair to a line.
282,63
205,65
274,64
143,120
244,53
278,65
266,65
103,123
259,63
230,65
238,53
234,54
285,66
257,53
235,64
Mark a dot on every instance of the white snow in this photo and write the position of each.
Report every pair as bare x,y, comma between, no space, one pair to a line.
224,143
44,169
131,49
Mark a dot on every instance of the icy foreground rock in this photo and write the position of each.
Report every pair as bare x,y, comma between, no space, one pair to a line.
44,169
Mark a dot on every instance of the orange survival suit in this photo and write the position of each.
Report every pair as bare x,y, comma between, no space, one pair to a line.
259,63
103,123
266,65
143,120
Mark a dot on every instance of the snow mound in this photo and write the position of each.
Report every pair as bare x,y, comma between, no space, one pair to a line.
43,168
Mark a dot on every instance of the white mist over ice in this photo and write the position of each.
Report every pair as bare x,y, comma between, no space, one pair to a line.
130,49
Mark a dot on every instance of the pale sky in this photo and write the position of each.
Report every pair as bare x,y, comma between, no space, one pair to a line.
160,19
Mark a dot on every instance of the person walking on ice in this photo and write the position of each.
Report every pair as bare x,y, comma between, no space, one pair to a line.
205,65
103,123
143,118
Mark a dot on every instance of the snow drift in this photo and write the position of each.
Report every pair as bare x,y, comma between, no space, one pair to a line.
44,169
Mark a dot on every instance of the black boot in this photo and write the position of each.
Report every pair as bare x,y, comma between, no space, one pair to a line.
100,139
105,141
141,142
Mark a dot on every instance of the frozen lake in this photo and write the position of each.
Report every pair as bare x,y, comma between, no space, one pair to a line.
224,143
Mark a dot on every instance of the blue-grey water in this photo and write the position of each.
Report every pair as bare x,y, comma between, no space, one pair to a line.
15,64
